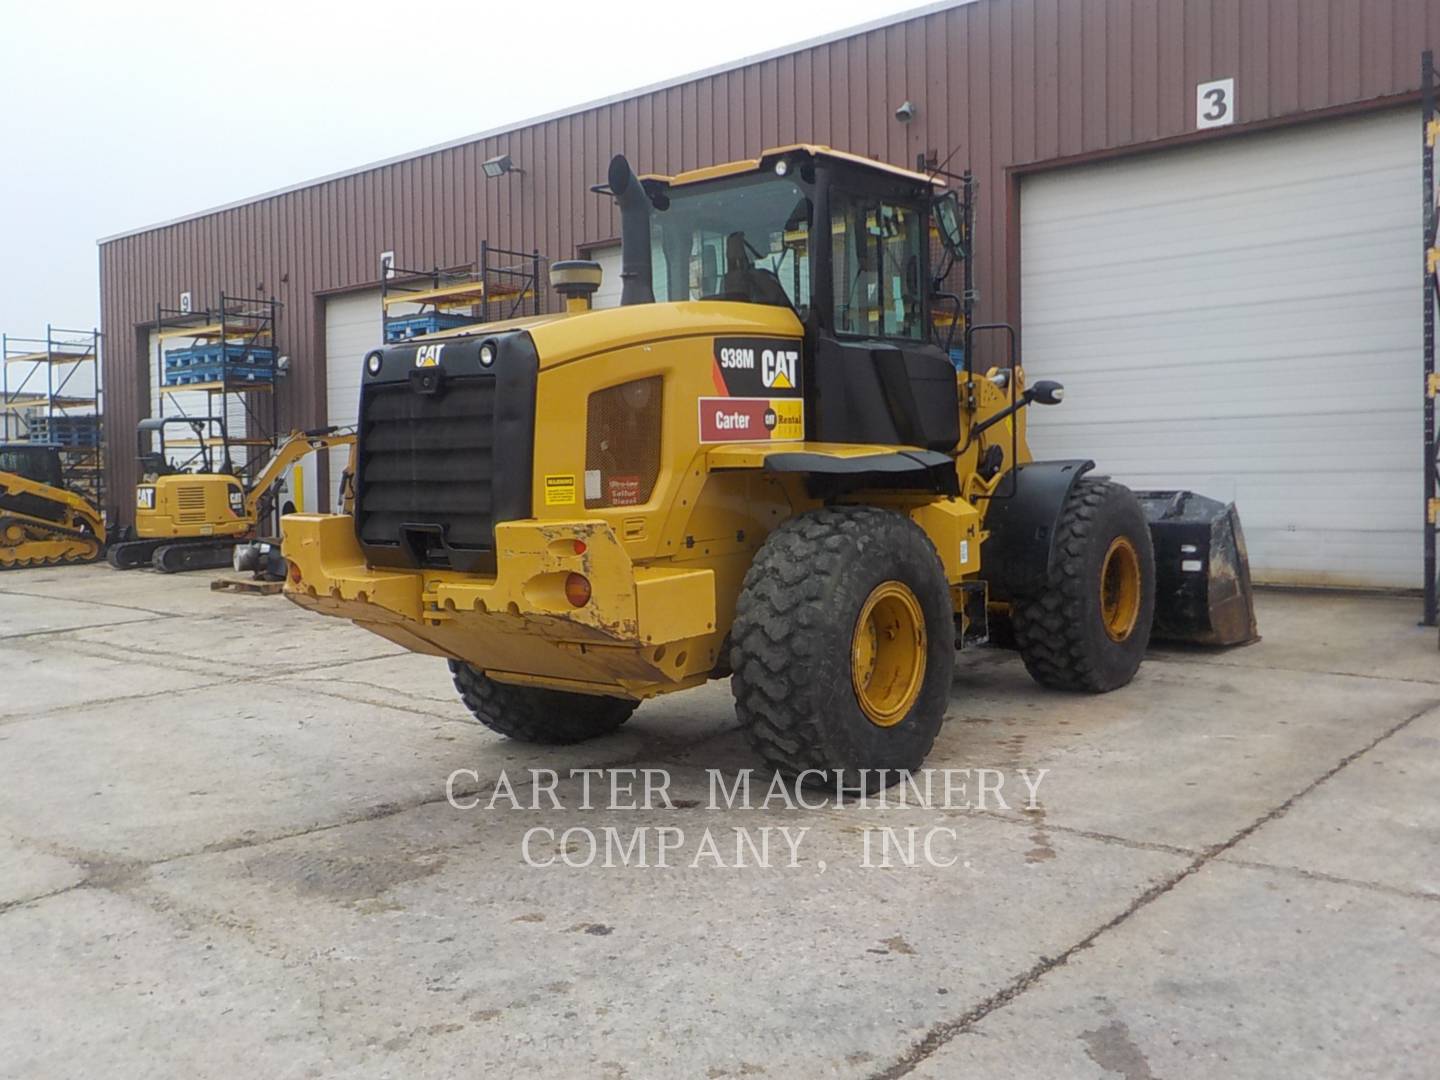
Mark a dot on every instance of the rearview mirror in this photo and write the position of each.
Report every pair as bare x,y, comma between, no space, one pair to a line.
1047,392
948,219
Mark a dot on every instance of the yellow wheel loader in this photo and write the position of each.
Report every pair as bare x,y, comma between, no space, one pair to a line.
43,522
194,520
766,463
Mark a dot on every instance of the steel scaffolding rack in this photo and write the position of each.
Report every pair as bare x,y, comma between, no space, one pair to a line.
1430,382
52,392
236,395
500,284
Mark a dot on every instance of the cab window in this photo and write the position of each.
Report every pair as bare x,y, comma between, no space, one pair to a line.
876,248
743,240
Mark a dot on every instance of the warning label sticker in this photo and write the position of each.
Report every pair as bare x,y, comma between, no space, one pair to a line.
560,489
735,419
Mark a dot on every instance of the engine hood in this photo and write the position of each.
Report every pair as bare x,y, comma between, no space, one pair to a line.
566,338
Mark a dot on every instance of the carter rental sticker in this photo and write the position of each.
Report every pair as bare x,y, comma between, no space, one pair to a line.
751,419
759,380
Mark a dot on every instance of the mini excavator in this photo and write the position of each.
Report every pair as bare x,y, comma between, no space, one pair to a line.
194,520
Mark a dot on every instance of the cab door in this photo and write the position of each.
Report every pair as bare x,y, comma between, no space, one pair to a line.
878,376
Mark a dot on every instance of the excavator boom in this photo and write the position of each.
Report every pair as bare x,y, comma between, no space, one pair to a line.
290,451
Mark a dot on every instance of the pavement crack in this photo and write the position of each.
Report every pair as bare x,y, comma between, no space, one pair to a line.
1332,879
194,669
89,602
115,874
942,1033
16,718
1009,818
154,617
26,901
1176,658
357,699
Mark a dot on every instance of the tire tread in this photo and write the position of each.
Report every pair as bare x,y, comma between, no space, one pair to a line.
783,602
1050,631
537,715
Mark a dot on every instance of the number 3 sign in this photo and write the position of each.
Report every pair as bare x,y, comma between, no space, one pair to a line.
1215,103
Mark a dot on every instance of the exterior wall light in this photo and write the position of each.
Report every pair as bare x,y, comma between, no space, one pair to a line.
499,166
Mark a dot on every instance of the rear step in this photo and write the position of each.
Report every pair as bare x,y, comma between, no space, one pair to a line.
1202,573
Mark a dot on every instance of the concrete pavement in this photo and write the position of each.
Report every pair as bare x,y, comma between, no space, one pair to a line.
226,845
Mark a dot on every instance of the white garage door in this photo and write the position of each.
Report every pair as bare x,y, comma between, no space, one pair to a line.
608,295
352,329
1242,319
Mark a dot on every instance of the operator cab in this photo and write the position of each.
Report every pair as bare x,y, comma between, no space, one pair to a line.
40,464
154,459
842,241
33,461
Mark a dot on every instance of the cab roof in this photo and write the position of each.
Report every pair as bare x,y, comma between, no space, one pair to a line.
736,168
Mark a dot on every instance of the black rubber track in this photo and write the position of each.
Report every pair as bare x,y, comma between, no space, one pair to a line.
794,625
177,558
535,715
132,554
1059,631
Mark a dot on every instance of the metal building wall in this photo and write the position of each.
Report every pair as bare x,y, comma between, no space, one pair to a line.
1010,82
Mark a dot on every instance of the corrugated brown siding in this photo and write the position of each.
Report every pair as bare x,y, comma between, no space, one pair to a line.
1010,82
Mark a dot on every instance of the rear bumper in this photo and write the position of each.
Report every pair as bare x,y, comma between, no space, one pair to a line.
517,624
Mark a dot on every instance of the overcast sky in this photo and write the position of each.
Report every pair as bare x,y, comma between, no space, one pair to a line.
117,115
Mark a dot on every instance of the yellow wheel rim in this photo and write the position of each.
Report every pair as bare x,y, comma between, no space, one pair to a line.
1120,589
887,653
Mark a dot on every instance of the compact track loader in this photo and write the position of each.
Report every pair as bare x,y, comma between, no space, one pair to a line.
194,520
764,464
43,522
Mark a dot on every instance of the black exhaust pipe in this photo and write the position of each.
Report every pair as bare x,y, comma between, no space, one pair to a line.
635,271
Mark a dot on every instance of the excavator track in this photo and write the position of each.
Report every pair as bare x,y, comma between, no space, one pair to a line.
171,556
133,554
29,542
176,558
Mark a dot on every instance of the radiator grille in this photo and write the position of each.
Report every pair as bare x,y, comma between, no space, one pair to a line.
427,465
190,504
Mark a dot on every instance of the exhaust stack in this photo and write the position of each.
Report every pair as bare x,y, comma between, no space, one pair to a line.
635,269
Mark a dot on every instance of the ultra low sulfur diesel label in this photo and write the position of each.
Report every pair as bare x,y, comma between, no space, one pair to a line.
758,383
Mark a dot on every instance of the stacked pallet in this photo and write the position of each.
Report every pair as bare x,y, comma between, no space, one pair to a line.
70,432
216,361
404,327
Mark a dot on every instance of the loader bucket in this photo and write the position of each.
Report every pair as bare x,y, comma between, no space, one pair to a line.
1202,574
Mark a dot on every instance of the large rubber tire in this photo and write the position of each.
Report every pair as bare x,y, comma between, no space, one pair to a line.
1061,631
795,624
535,715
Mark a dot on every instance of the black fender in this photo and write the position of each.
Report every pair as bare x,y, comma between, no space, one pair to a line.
828,475
1017,556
